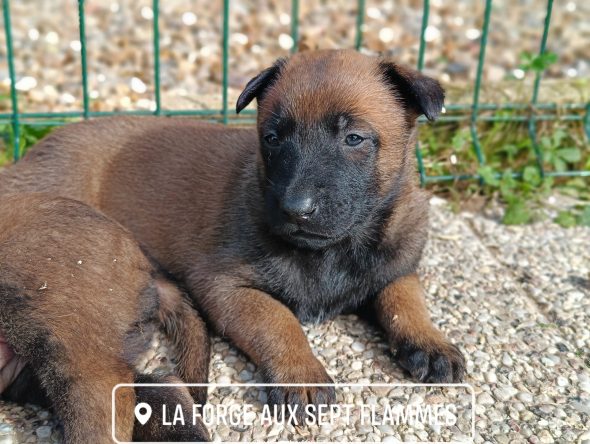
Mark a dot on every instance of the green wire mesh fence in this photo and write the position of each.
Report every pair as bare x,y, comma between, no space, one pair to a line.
530,113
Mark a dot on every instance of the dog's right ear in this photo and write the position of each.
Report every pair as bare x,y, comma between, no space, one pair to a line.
257,85
420,93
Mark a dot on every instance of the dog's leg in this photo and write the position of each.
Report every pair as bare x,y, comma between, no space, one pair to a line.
269,333
154,430
86,405
188,332
422,349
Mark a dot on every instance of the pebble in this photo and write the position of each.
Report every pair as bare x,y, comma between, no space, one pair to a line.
545,437
6,430
223,380
502,439
364,429
386,429
358,347
507,360
525,397
582,407
519,406
326,429
43,432
491,378
245,375
484,398
504,393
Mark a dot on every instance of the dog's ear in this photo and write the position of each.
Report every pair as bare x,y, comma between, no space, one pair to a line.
257,85
421,93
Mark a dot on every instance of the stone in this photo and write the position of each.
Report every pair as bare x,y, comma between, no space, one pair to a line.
484,398
525,397
358,346
545,437
491,378
507,360
43,432
356,365
505,393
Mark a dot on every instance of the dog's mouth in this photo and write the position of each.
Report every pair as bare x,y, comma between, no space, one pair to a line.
309,235
309,239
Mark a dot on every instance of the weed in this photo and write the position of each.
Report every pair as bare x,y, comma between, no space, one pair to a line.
29,135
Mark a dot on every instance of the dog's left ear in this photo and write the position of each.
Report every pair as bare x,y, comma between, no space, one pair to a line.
257,85
421,93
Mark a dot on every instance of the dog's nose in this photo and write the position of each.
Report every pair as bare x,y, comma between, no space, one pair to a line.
299,209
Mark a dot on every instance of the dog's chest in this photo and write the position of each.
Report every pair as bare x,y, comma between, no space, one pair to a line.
319,287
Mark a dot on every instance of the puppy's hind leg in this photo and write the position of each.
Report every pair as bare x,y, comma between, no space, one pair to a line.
188,333
86,407
173,397
77,381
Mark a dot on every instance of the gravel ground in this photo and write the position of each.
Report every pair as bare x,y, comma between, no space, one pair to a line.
515,300
120,61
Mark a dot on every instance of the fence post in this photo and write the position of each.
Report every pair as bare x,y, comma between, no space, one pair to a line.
360,18
475,107
425,15
587,121
295,25
156,35
12,75
533,120
82,29
225,54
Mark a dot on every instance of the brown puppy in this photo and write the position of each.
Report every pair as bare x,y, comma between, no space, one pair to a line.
78,302
315,213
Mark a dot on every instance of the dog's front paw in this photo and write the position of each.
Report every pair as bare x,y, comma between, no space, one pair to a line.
296,398
436,363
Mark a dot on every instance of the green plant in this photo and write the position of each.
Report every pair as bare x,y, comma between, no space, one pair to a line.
536,62
29,135
448,150
518,195
579,215
555,154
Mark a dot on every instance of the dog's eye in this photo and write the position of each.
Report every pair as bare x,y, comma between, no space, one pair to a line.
272,139
353,139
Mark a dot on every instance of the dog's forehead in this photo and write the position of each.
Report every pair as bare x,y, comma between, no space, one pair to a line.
315,84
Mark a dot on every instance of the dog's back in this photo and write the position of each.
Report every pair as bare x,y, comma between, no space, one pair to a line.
75,161
49,165
141,172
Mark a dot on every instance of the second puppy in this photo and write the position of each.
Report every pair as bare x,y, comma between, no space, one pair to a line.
79,302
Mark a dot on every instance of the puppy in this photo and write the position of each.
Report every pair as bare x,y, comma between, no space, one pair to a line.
314,213
78,303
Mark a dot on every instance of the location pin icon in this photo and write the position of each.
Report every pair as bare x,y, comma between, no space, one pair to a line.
143,411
